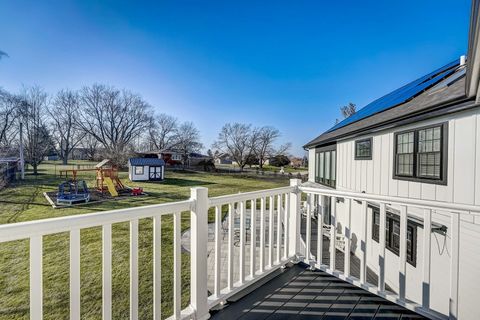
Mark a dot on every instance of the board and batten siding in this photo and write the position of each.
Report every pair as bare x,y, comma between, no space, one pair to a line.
376,175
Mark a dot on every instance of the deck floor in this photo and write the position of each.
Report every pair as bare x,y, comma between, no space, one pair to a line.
299,293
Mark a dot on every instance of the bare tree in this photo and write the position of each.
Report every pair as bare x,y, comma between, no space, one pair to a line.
90,144
282,149
9,106
115,118
162,131
64,114
348,110
236,140
37,140
264,140
187,140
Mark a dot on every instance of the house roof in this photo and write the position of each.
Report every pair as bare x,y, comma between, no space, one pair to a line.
449,86
146,162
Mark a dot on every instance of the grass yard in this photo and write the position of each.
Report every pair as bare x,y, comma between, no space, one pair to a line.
24,201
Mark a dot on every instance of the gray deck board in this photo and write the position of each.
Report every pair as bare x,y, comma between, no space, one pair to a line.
299,293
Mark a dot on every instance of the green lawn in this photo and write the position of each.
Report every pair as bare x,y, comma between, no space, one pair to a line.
24,201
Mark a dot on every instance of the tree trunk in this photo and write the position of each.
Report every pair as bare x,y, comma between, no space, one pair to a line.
35,168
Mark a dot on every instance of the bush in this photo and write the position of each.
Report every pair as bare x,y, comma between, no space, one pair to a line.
279,161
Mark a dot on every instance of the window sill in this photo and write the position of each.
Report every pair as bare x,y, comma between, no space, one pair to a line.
442,182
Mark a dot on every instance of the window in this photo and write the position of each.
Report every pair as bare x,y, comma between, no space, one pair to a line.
363,149
138,170
421,154
325,165
392,234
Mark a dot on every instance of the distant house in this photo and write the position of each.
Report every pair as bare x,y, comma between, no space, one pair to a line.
195,159
223,158
146,169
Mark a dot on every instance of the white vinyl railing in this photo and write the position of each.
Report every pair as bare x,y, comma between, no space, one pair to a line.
267,226
272,205
404,205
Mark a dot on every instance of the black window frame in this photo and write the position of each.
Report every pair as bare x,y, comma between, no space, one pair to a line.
332,181
415,177
391,220
359,157
135,170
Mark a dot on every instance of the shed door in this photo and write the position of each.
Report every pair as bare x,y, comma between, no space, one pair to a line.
155,173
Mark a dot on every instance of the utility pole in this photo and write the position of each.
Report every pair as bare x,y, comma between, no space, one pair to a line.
22,160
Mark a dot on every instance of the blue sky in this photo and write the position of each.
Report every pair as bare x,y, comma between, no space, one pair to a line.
289,64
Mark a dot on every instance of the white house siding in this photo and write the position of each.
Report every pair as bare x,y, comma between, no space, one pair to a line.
463,186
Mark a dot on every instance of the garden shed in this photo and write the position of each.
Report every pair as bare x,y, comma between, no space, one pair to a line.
146,169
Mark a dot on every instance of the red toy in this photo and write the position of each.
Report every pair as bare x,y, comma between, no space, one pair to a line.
137,191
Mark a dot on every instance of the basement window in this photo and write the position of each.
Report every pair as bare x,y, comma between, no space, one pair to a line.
392,234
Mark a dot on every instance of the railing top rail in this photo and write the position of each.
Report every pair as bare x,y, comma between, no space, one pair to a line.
25,230
418,203
220,200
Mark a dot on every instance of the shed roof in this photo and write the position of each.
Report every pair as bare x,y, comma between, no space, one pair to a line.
146,162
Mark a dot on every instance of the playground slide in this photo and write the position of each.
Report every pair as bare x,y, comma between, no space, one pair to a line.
110,186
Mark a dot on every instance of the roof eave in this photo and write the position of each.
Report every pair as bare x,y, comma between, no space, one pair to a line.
454,105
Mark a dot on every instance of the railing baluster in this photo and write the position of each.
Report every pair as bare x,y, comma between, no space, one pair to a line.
427,227
230,245
218,248
253,237
308,225
381,252
242,242
333,232
36,271
134,269
157,267
279,226
270,231
107,272
262,235
402,268
321,212
286,210
177,265
454,264
75,274
348,236
363,243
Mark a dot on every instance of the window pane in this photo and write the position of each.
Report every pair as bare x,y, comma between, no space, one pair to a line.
429,152
327,165
320,169
333,162
396,236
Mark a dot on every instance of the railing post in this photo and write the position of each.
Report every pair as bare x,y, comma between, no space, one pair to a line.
198,258
294,219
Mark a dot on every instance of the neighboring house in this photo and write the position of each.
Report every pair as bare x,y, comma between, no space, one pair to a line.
421,141
170,156
146,169
194,159
223,158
